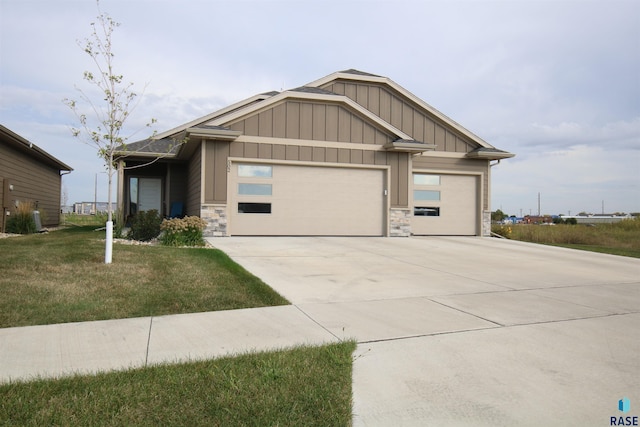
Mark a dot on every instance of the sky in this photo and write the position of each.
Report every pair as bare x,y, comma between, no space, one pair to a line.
555,82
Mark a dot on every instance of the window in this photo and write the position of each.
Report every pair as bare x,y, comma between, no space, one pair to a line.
254,208
423,179
426,211
254,189
426,195
255,171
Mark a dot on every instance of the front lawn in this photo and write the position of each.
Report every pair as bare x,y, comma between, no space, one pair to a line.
307,386
60,277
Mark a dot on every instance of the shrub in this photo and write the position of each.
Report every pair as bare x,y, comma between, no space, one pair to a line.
22,221
185,231
145,225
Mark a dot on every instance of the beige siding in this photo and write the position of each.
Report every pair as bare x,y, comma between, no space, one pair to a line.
312,121
215,165
403,114
33,182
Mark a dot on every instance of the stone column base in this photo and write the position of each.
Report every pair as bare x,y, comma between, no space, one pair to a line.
216,217
399,222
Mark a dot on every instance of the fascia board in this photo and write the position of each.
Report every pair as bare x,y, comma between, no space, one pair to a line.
339,99
211,116
385,80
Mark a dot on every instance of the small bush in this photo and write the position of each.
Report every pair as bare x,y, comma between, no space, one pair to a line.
22,221
185,231
145,226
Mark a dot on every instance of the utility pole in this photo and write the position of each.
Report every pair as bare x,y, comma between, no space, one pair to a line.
538,204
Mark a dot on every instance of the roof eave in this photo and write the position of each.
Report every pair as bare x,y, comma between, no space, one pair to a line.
409,146
489,155
219,134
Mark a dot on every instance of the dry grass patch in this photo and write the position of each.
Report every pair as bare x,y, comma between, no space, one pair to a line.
60,277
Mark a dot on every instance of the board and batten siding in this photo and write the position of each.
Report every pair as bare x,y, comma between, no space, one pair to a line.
218,152
403,114
32,181
193,205
311,121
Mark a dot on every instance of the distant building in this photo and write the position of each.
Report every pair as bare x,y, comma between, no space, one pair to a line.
597,218
91,208
28,174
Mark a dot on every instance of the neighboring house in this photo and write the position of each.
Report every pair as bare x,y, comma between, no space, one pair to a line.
29,174
350,154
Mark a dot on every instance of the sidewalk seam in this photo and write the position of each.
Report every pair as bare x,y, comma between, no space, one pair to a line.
317,323
146,357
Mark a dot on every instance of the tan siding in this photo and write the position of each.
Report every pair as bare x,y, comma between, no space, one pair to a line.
264,151
292,152
385,105
356,156
403,181
266,123
357,130
344,126
33,182
306,121
279,121
193,177
332,155
293,120
220,173
396,112
368,157
237,149
279,152
318,154
319,122
251,125
393,161
251,150
374,100
344,155
306,154
440,138
331,123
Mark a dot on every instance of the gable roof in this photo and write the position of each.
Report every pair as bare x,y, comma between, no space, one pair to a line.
14,140
356,75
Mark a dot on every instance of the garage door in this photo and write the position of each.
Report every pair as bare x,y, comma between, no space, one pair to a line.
445,204
306,200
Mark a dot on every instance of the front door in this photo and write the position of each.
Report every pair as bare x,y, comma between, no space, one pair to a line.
150,194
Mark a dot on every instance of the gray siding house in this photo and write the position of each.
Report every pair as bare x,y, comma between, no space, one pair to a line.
350,154
29,174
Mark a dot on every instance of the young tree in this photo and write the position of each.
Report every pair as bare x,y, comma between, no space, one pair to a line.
103,127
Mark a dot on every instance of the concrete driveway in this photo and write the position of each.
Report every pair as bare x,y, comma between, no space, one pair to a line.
466,331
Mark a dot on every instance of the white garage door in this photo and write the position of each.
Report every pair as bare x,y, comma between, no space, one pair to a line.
445,204
306,200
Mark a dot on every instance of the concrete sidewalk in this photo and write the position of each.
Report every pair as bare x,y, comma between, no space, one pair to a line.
91,347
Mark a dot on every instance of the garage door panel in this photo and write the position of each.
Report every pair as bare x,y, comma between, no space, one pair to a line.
458,208
317,201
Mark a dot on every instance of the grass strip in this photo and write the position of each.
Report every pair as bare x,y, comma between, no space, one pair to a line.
60,277
305,386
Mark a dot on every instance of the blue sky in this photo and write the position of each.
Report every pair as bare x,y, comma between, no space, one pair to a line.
556,82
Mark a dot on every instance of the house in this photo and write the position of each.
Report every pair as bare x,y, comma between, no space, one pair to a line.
350,154
29,174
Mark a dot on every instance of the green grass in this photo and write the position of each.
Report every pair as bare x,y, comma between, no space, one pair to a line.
98,220
621,238
60,277
307,386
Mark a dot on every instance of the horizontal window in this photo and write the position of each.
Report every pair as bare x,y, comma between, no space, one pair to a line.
423,179
426,195
254,189
259,171
424,211
254,208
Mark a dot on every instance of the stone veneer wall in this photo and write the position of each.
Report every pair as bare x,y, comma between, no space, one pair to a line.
486,223
216,217
399,222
